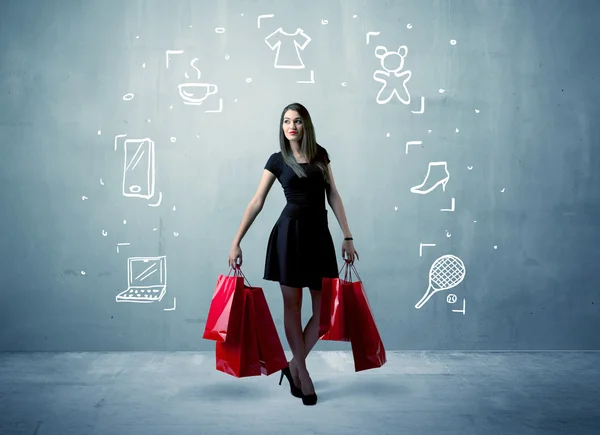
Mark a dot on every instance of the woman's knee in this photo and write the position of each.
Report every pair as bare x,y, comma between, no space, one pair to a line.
292,299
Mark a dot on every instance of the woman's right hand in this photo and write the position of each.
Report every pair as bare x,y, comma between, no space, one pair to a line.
234,255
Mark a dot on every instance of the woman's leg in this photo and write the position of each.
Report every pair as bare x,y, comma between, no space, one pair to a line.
292,322
310,334
311,331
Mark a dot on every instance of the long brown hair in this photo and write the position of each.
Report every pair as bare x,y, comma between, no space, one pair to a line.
308,146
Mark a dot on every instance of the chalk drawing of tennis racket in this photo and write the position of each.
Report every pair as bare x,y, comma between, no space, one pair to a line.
445,273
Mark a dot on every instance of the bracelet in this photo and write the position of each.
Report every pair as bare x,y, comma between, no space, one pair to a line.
348,238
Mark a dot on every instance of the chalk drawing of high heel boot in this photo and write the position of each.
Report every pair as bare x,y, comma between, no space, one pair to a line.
433,181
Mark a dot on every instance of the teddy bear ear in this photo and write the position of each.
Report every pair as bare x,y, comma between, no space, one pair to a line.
403,48
378,49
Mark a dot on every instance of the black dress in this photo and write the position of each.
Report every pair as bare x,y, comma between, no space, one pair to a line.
300,249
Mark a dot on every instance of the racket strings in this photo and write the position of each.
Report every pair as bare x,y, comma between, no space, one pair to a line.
447,272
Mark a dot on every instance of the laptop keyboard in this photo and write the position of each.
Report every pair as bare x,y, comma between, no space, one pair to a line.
134,293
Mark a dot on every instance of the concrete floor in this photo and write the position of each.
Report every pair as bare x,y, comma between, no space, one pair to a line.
420,393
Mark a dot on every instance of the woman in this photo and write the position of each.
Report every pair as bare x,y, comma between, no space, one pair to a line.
300,249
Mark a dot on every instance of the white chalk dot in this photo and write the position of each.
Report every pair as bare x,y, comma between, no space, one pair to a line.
137,37
324,22
99,132
235,101
469,167
83,198
354,16
128,97
453,41
428,131
175,234
190,26
173,138
344,84
495,247
174,208
104,233
154,229
220,30
387,135
171,106
456,131
441,91
226,57
83,272
248,80
476,110
409,26
144,65
475,221
101,182
124,222
148,120
395,207
198,136
502,191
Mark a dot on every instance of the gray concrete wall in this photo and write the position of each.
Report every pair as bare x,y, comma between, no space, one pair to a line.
503,95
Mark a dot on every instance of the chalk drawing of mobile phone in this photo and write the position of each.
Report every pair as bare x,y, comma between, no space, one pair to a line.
139,168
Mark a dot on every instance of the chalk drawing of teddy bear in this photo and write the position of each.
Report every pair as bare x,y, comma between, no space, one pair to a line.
387,91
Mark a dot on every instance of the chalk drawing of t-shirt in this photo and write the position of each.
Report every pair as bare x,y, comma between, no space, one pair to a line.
288,56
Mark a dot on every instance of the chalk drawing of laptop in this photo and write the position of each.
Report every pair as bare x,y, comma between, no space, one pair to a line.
146,280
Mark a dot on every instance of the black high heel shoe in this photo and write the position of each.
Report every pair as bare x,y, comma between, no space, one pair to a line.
310,399
295,391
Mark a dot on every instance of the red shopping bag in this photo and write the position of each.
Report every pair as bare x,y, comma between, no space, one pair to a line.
332,319
226,307
239,356
271,354
367,348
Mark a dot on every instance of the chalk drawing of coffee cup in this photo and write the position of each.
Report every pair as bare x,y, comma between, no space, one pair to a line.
196,93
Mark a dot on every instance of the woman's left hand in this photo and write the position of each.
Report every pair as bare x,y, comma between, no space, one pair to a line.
349,251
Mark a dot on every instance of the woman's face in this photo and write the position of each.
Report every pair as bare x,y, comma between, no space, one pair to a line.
292,126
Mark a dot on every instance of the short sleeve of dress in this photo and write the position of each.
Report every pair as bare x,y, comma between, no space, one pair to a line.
273,165
325,154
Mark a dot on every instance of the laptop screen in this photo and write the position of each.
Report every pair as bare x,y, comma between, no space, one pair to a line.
147,272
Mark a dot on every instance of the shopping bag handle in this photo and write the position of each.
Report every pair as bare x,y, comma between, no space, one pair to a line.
237,272
348,272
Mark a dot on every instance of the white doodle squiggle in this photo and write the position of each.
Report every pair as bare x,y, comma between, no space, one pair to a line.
168,54
463,308
369,34
260,17
156,204
452,206
422,245
174,305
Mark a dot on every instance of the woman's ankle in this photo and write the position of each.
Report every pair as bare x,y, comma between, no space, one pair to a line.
302,372
306,384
